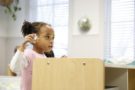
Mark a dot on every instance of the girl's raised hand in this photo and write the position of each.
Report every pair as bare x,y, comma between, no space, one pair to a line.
29,38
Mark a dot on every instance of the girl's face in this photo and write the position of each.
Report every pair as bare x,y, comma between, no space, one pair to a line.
44,42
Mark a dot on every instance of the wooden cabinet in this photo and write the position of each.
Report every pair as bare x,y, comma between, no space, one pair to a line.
122,76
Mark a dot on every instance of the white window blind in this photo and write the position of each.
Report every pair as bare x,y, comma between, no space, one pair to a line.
120,29
54,12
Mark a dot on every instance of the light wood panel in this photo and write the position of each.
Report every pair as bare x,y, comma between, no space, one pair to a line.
68,74
131,79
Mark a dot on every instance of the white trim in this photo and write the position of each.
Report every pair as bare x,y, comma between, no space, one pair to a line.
107,27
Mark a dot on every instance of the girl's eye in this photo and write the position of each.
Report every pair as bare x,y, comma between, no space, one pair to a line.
47,37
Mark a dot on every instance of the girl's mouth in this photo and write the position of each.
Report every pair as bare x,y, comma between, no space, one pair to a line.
50,46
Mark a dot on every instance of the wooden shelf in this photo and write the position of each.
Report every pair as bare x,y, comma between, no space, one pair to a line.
122,76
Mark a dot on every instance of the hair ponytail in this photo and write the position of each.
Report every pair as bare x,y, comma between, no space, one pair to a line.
27,28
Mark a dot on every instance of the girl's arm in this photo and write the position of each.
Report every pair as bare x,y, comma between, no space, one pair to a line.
15,64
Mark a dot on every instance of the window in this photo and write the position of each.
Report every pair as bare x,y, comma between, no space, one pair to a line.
120,29
54,12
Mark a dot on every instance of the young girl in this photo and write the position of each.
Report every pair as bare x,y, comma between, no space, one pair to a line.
15,64
43,43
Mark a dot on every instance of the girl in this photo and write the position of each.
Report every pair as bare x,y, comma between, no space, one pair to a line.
18,56
43,43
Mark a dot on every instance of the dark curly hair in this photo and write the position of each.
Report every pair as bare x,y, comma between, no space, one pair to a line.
29,28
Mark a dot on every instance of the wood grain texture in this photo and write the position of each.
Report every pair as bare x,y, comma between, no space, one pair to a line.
68,74
131,79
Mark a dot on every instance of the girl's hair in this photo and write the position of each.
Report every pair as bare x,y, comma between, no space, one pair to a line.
29,28
15,49
49,54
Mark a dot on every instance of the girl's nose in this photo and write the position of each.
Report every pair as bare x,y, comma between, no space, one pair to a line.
51,41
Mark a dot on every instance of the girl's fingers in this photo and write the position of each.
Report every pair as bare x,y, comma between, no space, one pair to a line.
30,38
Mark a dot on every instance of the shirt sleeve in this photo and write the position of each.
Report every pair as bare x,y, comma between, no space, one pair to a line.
15,64
18,62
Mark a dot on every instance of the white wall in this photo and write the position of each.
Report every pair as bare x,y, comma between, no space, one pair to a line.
86,45
10,35
79,45
12,42
2,55
3,34
14,27
14,31
3,22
